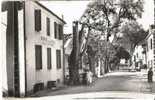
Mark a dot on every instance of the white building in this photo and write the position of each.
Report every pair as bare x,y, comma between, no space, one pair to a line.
34,50
3,51
139,56
150,48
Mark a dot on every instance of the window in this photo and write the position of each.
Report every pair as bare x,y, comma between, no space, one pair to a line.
49,65
134,58
38,20
48,26
55,30
58,58
147,46
60,32
150,43
38,56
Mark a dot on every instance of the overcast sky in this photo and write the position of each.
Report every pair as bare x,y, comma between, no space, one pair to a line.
73,10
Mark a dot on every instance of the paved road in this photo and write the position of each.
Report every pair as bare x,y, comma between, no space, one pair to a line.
115,81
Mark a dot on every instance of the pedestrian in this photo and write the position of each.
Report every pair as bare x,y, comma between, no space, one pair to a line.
85,77
150,75
89,77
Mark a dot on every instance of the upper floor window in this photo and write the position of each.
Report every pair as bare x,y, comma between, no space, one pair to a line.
58,31
38,56
37,20
150,43
48,26
55,30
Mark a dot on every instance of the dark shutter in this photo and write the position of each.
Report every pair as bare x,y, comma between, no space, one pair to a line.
48,26
150,43
38,20
49,65
38,56
60,32
58,58
55,29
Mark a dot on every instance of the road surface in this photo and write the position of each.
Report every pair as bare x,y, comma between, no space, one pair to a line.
114,81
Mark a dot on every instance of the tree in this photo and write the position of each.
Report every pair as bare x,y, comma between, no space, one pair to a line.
121,53
106,17
133,33
73,59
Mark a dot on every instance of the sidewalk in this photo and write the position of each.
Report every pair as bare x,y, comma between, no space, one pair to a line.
135,81
64,87
145,86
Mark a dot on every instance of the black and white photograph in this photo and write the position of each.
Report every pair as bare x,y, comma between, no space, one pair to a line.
77,49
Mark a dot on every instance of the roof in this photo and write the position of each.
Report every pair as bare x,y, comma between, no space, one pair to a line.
68,46
150,31
50,11
66,37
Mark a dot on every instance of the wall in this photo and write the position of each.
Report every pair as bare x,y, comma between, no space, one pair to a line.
21,52
32,38
150,55
3,51
141,56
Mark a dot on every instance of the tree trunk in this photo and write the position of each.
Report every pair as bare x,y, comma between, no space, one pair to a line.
74,57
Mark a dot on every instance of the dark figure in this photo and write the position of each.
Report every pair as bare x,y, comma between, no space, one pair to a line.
85,77
150,75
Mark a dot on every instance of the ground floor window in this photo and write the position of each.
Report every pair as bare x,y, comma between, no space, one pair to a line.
38,57
58,58
49,60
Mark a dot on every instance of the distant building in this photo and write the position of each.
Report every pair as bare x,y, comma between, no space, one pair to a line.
67,51
34,48
139,56
150,48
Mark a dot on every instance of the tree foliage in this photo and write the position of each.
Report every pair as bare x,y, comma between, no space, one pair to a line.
108,15
121,53
105,17
133,33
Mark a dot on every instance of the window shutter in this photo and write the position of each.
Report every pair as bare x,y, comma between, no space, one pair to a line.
58,59
61,32
48,26
38,20
38,56
150,43
59,28
49,65
55,30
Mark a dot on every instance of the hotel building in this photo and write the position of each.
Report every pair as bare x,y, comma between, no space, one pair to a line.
33,48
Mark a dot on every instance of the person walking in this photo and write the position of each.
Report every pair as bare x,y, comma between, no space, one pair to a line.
150,75
89,77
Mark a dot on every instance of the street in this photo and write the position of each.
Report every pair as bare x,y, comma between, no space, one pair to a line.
114,81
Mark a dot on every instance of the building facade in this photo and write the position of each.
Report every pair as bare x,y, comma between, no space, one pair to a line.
139,56
34,51
150,49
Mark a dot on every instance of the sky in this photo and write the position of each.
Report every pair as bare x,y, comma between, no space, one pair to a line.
148,15
73,10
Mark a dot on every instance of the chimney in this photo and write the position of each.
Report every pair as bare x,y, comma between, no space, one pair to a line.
62,17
